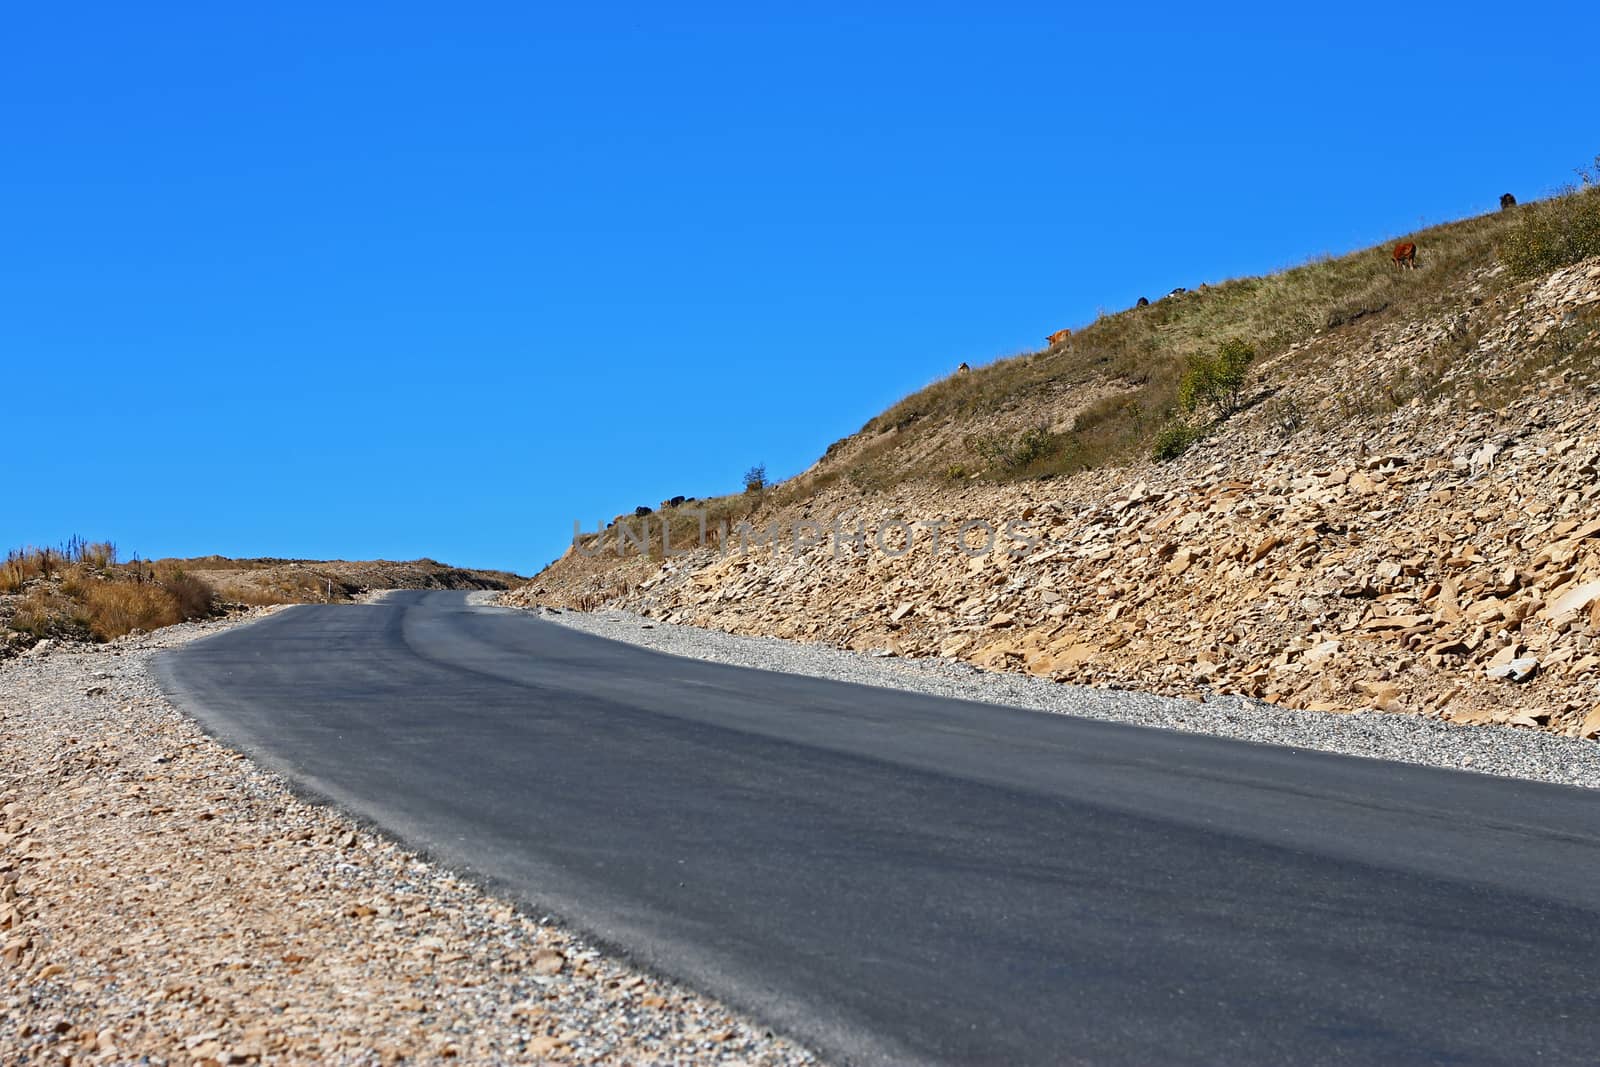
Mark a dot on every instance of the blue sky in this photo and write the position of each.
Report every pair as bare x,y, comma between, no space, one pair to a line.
399,280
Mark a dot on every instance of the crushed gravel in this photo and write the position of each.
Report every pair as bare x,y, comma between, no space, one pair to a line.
164,902
1497,750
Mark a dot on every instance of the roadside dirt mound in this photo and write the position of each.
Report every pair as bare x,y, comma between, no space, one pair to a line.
283,581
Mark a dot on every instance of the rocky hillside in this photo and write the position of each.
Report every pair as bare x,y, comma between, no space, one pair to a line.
1404,513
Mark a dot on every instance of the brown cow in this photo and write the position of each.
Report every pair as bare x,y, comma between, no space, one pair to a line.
1059,336
1507,201
1405,255
963,369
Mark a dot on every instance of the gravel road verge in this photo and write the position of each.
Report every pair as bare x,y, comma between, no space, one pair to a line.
1496,750
162,901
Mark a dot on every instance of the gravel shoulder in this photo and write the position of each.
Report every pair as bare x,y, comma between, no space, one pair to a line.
163,901
1495,750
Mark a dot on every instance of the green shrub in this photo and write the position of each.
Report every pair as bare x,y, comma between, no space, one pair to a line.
755,479
1217,380
1198,383
1012,455
1174,439
1553,233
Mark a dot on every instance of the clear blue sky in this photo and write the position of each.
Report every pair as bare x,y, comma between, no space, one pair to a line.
399,280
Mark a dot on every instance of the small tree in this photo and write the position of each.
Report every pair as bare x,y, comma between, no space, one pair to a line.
755,479
1198,384
1217,380
1233,371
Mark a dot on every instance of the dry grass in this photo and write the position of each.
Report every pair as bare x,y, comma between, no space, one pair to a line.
22,565
118,608
194,597
12,577
95,554
46,612
263,595
1142,354
217,563
79,590
25,564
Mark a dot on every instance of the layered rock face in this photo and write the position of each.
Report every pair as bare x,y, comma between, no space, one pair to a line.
1329,548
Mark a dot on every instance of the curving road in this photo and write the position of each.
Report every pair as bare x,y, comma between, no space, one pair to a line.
893,877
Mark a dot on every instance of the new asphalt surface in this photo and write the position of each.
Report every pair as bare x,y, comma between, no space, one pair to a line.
898,878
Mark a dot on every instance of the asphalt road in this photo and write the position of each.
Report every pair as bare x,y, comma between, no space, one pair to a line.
892,877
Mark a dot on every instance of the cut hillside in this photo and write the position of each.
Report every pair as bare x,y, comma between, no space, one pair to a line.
1402,514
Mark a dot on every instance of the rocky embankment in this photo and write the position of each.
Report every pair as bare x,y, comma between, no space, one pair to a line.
164,902
1440,559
